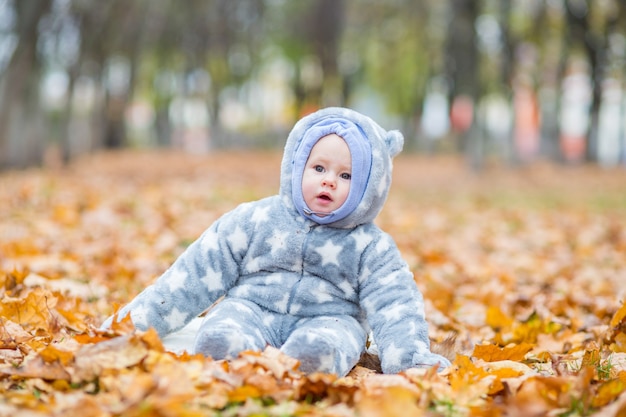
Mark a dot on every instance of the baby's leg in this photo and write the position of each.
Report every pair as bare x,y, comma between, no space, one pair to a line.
326,344
231,327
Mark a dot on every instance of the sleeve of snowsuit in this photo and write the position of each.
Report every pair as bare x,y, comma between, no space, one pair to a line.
394,308
204,272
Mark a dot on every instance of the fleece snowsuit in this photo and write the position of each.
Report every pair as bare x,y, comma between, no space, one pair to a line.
313,286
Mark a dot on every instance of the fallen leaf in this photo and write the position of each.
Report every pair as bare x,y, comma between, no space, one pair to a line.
493,353
118,353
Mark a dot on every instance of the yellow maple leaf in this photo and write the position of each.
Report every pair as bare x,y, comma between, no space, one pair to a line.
33,311
476,378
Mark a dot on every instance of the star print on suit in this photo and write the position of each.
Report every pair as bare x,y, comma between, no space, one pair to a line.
313,289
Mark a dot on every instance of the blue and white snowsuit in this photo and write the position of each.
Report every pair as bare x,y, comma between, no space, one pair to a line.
312,286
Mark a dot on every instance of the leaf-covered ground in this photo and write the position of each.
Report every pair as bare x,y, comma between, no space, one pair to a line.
525,267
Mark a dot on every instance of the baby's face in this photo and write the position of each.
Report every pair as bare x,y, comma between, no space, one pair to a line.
327,174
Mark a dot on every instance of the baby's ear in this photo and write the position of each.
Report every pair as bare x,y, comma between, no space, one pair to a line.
394,141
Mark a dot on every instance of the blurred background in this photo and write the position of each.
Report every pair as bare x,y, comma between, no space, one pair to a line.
507,80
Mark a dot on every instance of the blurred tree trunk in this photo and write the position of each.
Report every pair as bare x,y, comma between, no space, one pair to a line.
129,39
593,39
550,77
318,26
462,71
507,58
326,29
19,96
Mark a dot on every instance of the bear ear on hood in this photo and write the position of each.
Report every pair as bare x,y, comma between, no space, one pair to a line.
394,141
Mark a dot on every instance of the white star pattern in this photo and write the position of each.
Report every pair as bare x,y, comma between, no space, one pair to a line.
275,278
382,245
277,241
176,318
213,280
421,346
365,274
382,186
176,280
242,290
229,323
393,355
393,313
268,321
329,253
139,316
322,295
281,306
346,288
389,279
343,362
327,363
238,240
367,304
361,240
253,264
209,241
236,344
297,265
260,214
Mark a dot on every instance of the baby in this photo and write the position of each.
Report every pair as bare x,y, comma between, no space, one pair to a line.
307,270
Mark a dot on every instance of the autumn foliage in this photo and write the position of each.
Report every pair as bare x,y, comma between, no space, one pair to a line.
523,271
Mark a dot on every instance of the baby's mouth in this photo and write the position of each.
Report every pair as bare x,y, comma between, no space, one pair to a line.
324,197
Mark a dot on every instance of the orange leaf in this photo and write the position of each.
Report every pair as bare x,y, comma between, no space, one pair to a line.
88,338
151,338
392,401
619,316
607,392
123,326
241,394
33,311
10,280
493,353
52,354
619,344
497,319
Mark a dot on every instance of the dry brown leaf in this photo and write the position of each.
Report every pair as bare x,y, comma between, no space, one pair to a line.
12,334
118,353
35,366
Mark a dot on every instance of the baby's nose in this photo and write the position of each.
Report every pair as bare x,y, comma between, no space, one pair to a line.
329,181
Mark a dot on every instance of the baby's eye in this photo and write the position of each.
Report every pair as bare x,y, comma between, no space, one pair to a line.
319,168
346,176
